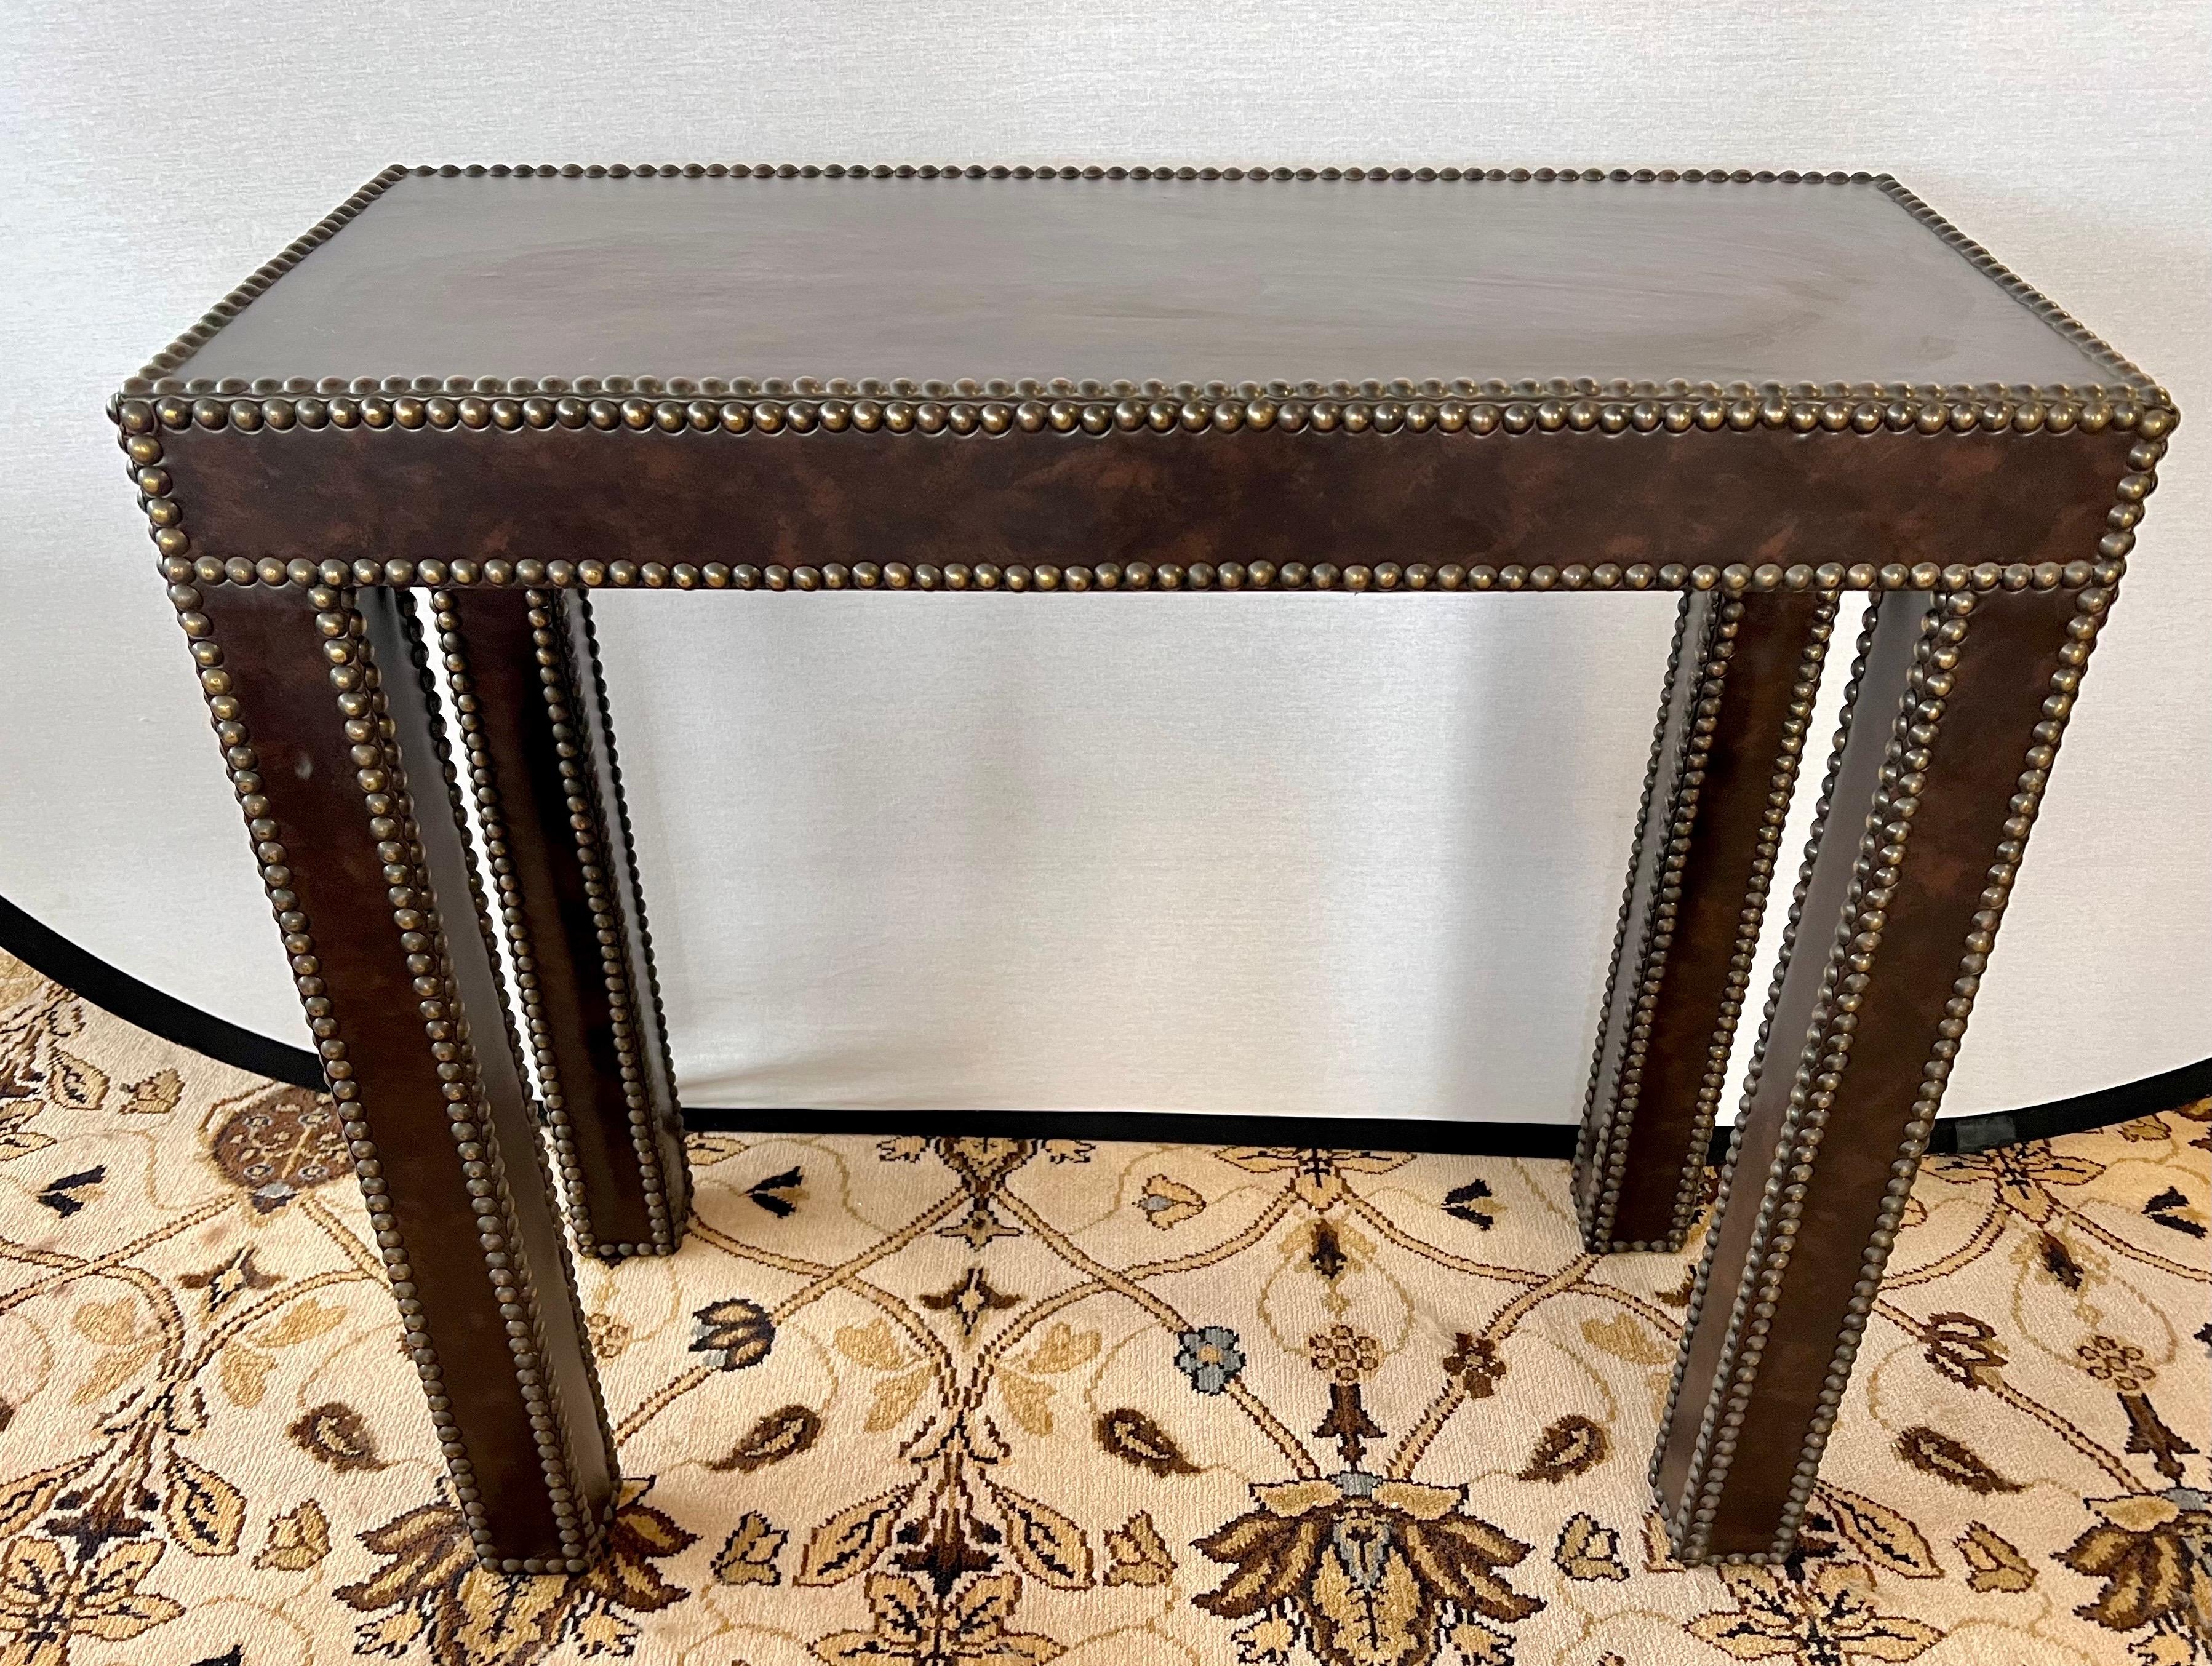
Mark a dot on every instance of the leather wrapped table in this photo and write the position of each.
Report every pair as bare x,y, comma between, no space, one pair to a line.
501,389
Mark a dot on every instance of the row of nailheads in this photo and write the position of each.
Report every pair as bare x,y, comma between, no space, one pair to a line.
1529,409
1138,575
551,668
1802,695
491,821
155,376
2092,607
392,814
1873,887
2018,287
1701,1282
361,703
1821,1064
1697,747
1826,1056
675,1170
1093,171
1845,717
1614,1141
243,764
1715,646
197,335
588,822
1400,390
418,648
138,420
1594,1134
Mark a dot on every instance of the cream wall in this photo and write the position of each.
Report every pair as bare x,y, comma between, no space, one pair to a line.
1326,866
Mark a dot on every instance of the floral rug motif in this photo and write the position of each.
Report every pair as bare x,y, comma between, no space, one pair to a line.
991,1402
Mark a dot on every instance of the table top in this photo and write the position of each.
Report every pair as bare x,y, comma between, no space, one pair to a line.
667,275
1130,377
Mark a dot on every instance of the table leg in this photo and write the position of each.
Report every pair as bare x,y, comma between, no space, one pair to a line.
1741,686
534,728
325,723
1931,792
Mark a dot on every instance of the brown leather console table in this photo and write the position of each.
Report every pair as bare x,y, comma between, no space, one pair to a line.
508,387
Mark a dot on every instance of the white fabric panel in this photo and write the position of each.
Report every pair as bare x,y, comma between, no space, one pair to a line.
1219,854
1324,864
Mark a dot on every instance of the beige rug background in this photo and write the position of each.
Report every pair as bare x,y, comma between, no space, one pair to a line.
992,1402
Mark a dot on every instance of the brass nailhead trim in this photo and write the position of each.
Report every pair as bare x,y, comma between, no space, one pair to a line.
155,378
2092,607
681,1214
1826,1054
1093,409
1703,1279
557,677
243,766
383,783
164,516
2014,284
369,727
497,857
1607,1150
419,651
1588,1138
1526,407
480,905
260,278
1780,789
1607,1159
1822,805
1135,575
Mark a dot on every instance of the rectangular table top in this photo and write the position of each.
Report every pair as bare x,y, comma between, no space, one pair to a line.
1075,378
1252,280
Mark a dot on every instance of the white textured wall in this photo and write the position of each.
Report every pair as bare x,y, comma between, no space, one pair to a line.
153,157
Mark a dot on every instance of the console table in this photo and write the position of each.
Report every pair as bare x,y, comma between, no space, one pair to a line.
507,387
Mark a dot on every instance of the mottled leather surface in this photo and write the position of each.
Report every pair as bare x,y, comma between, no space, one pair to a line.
1717,880
1603,1134
516,732
1721,497
676,278
1887,663
273,654
626,893
2003,679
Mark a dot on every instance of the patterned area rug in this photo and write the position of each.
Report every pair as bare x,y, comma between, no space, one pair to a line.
993,1403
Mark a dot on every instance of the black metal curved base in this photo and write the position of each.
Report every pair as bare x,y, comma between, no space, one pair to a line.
53,956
